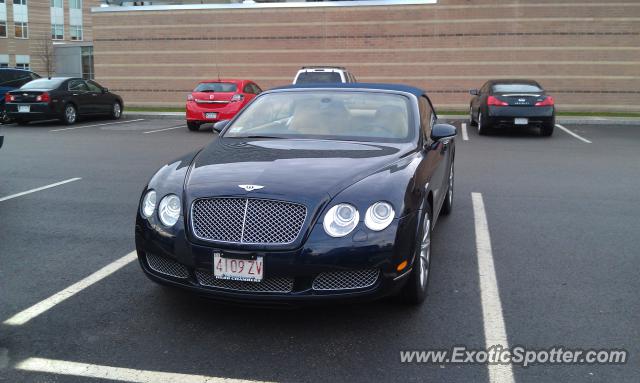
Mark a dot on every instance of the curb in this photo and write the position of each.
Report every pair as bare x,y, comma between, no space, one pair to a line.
156,115
630,121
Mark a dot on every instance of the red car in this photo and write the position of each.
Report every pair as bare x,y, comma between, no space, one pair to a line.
216,100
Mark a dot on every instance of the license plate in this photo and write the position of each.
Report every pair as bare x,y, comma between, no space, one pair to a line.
210,115
521,121
249,270
24,108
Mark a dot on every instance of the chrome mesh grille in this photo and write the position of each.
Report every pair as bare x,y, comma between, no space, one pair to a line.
247,220
346,280
269,285
167,266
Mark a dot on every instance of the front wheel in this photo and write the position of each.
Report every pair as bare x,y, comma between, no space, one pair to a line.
70,114
193,126
116,111
415,291
447,205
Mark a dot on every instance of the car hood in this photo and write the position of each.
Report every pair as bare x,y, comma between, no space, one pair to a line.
286,168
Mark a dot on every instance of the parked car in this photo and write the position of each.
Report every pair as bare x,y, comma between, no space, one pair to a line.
216,100
310,194
11,79
507,103
323,74
62,98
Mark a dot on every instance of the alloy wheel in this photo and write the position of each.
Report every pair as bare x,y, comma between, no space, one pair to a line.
450,192
117,110
425,253
480,122
70,114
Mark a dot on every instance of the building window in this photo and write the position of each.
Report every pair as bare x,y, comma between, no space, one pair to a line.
20,2
56,3
75,4
3,28
22,30
23,62
87,63
4,60
76,32
57,31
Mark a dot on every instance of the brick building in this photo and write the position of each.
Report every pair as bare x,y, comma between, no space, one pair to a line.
586,52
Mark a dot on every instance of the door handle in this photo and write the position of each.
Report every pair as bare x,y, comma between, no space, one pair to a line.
75,94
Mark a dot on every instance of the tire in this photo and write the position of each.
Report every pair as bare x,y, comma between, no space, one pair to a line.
193,126
472,122
483,128
70,114
116,111
4,117
414,291
447,205
546,131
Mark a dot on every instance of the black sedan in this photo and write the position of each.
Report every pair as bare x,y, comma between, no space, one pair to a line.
61,98
509,103
311,193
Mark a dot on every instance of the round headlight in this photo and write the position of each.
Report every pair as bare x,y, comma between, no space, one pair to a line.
169,210
379,216
340,220
149,204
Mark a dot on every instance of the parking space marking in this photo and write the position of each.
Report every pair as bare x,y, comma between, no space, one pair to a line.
61,367
43,306
39,189
162,130
465,136
574,134
94,125
494,328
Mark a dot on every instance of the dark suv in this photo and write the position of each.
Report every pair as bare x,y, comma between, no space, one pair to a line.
11,79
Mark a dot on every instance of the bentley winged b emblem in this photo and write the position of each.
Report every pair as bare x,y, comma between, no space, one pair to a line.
251,187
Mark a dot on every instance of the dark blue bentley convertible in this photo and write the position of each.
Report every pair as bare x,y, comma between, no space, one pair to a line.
312,193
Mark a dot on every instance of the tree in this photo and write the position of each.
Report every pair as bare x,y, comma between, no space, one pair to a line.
46,54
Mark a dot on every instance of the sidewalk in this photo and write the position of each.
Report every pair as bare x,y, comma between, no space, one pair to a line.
572,120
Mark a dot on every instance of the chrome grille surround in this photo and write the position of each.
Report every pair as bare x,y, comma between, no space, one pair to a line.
247,220
346,280
268,285
166,266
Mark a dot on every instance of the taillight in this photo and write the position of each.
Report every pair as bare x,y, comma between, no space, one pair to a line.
492,101
9,97
190,97
44,97
237,97
546,102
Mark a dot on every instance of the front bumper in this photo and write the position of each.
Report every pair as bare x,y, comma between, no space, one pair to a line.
197,112
537,116
189,265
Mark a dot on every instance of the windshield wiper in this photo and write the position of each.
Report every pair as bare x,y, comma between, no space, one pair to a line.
208,91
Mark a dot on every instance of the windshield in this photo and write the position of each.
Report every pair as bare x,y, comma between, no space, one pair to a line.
318,77
226,87
43,83
344,115
511,88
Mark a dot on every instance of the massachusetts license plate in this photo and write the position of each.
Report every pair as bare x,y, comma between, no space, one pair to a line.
210,115
24,108
249,270
521,121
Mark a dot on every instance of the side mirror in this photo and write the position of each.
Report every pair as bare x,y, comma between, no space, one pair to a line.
105,90
218,126
474,92
442,131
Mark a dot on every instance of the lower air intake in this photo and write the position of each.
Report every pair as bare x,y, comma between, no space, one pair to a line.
269,285
346,280
167,266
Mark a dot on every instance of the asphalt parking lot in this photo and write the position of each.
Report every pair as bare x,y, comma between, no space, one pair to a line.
562,224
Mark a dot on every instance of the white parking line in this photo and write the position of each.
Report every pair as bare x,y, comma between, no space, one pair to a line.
465,136
39,189
42,306
92,126
494,328
162,130
120,374
573,134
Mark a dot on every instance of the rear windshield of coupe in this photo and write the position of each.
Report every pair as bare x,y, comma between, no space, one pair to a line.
330,115
224,87
318,77
43,83
511,88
